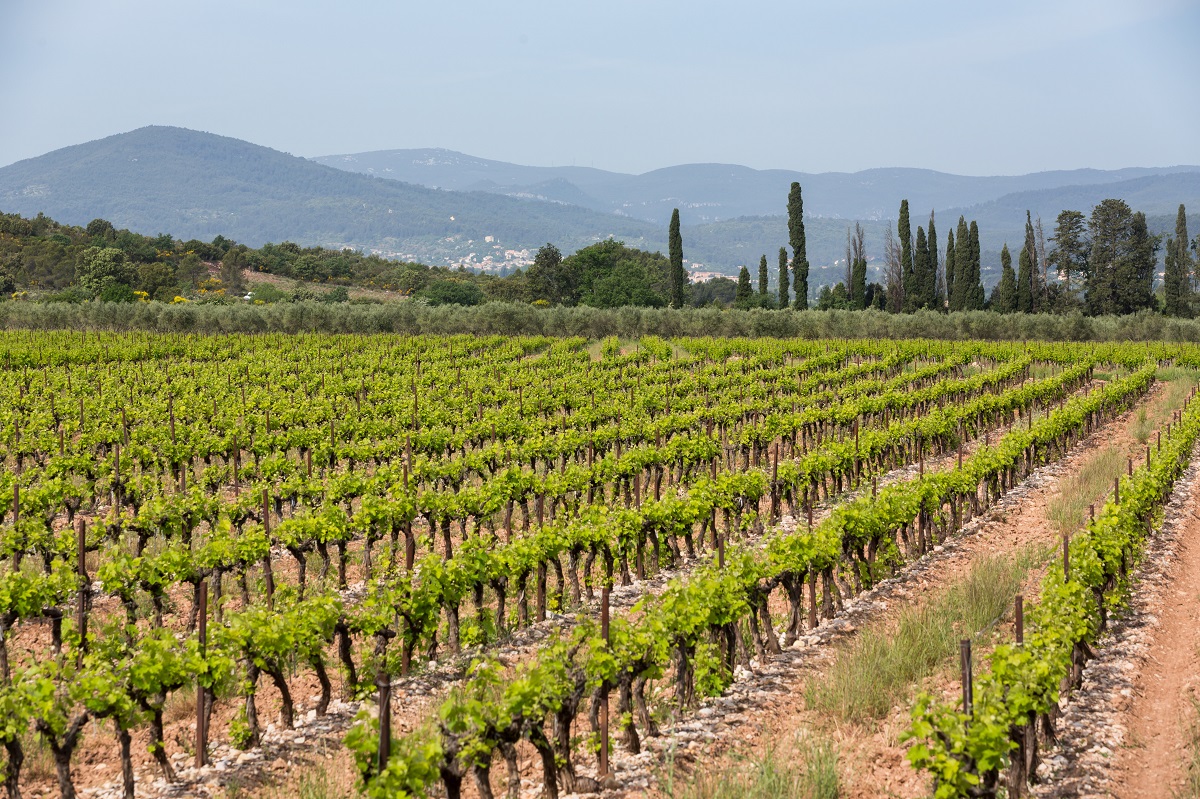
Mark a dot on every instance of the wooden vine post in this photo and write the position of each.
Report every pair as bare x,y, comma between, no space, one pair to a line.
84,587
604,743
964,650
268,575
201,691
1019,619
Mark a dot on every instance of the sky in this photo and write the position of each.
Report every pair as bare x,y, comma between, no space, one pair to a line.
978,88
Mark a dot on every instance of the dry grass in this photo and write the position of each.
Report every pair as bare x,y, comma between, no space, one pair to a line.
809,770
873,674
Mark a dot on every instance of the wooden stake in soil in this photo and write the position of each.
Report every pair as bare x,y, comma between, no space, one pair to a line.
604,695
720,551
201,693
1019,616
964,649
1117,490
84,585
1066,556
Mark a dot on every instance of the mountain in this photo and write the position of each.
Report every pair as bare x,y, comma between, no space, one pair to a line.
706,193
200,185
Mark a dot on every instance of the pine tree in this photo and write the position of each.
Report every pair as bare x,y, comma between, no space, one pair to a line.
1177,277
762,276
744,291
795,208
678,277
783,278
974,292
1108,229
1004,295
1070,253
1025,266
951,300
912,299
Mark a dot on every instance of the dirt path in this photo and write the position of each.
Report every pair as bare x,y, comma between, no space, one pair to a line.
872,757
1154,764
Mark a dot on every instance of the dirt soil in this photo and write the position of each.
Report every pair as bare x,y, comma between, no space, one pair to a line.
871,757
1154,764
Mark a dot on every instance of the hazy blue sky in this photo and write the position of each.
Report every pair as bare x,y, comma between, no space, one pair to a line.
630,85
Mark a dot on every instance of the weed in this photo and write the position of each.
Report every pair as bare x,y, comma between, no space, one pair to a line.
872,675
810,771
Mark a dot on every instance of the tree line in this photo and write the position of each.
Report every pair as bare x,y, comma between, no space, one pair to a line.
1102,264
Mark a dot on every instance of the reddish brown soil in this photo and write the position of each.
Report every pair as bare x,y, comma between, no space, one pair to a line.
1162,712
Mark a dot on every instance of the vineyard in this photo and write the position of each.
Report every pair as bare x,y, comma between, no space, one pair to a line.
494,565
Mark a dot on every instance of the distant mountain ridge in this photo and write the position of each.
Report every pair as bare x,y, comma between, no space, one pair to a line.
200,185
707,193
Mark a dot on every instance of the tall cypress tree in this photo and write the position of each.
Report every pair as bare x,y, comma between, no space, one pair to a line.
962,266
952,301
921,271
795,209
762,276
1031,249
974,291
904,229
1004,295
1137,267
1024,284
744,291
1177,277
678,277
939,283
784,292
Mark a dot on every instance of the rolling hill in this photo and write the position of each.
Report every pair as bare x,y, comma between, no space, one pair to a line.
200,185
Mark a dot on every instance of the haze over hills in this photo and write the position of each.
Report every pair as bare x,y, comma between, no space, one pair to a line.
200,185
706,193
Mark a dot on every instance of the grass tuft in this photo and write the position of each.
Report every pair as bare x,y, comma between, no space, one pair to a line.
870,676
808,772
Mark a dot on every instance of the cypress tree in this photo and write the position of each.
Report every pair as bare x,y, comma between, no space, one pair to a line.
795,209
1136,277
962,267
953,302
1004,295
744,291
783,278
911,291
678,277
858,284
1177,277
1024,284
921,272
762,276
974,291
1031,248
939,285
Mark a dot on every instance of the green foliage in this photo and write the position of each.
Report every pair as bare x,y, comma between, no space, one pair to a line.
676,275
99,268
784,279
1024,281
744,290
962,753
451,292
1004,295
796,237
